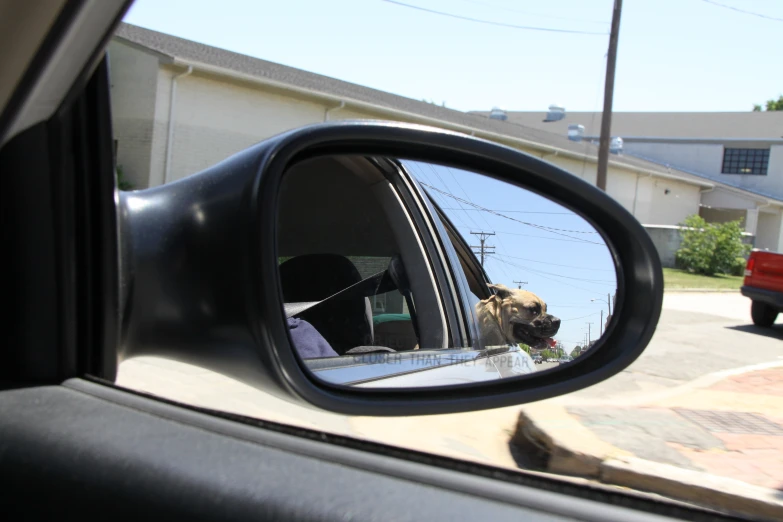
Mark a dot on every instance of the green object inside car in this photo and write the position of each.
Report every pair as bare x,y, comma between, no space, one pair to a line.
385,318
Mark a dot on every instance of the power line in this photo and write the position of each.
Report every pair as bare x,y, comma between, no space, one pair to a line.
555,280
437,174
766,17
503,8
489,22
549,238
454,177
565,266
520,211
536,271
552,230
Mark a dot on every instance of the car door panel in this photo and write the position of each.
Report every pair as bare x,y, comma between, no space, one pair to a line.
94,451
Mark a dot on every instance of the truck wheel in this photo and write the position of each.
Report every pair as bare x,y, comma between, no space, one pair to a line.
762,314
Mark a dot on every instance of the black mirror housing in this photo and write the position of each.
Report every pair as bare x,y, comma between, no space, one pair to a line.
200,280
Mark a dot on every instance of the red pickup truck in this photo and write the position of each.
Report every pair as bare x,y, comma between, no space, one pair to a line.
763,284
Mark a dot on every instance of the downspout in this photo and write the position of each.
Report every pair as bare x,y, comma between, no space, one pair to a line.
636,193
327,111
172,112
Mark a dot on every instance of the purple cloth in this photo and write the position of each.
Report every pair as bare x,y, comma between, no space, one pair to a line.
308,342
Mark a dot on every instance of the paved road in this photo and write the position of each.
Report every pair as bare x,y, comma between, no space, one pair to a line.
546,365
698,334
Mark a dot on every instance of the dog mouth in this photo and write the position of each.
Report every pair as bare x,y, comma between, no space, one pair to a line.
537,338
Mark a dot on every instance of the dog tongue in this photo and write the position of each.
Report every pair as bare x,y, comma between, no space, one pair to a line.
551,342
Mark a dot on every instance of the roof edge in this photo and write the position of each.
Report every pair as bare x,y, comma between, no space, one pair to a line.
493,136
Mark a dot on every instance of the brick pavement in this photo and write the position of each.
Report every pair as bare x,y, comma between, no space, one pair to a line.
733,428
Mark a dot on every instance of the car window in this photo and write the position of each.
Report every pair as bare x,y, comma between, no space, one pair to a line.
695,156
341,222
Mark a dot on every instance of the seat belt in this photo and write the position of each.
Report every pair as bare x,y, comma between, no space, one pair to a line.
379,283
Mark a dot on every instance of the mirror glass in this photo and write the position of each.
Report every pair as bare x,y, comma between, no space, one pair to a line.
399,273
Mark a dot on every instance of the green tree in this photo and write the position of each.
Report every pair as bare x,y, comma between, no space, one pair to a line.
711,248
771,105
525,348
576,352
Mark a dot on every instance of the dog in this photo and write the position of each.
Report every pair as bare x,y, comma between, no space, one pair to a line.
516,316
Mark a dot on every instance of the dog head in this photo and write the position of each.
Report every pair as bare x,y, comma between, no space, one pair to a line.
523,318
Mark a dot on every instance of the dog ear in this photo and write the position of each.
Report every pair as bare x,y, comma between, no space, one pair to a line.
502,291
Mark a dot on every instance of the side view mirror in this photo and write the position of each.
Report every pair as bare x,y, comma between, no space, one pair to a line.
374,268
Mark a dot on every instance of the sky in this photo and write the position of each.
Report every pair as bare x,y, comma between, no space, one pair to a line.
674,55
557,254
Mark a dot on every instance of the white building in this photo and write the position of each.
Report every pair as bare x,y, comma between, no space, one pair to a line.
180,106
738,150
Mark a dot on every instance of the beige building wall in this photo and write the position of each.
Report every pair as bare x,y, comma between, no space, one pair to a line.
134,75
216,118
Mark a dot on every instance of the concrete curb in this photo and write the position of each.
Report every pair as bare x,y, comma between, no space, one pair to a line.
719,493
573,449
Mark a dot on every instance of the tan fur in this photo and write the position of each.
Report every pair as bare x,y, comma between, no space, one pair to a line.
498,314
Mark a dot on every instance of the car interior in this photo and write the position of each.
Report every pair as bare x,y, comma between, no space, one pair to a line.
340,222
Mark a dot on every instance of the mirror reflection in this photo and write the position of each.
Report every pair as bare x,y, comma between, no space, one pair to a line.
399,273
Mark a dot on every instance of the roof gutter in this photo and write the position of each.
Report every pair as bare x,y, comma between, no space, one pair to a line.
418,118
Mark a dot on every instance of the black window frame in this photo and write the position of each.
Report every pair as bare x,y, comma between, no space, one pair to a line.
737,160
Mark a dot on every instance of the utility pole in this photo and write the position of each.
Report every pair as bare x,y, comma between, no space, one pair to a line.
601,324
483,248
588,333
609,303
606,117
520,283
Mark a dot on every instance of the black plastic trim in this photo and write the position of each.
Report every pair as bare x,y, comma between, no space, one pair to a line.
638,266
769,297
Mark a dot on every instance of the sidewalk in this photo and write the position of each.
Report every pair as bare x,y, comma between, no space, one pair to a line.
716,442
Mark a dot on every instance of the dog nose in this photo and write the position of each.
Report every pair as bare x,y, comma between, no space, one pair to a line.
555,322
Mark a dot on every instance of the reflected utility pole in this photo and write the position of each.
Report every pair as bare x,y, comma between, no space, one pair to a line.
601,324
483,248
520,283
606,116
589,333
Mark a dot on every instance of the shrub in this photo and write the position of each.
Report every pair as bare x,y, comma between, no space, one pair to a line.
711,248
122,183
738,268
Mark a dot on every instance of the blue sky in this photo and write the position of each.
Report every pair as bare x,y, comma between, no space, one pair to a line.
674,55
557,253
